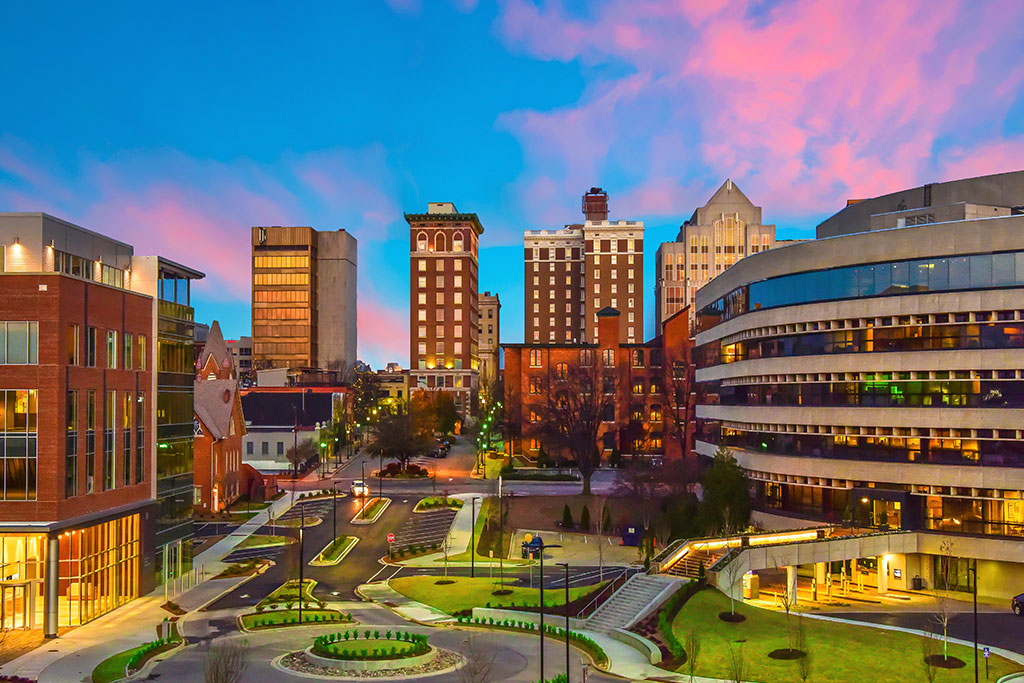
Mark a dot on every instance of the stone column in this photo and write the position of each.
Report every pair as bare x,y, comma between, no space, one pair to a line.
883,575
791,584
51,583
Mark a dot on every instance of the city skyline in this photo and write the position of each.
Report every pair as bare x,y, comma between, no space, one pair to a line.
650,103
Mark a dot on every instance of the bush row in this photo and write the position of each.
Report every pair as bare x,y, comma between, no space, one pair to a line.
581,640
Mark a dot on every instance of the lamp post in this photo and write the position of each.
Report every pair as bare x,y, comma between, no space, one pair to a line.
472,542
542,549
973,569
302,528
335,506
566,565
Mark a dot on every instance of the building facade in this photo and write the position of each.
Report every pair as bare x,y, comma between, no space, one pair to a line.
574,272
490,340
79,510
241,356
444,302
717,235
875,378
219,427
647,386
303,298
278,419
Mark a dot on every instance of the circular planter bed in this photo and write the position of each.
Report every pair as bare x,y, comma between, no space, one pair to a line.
369,650
941,662
787,653
502,591
731,618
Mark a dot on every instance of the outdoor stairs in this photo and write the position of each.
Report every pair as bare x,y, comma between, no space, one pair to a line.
634,601
688,567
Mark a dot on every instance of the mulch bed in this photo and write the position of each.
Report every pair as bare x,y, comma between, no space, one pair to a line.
941,662
787,653
731,618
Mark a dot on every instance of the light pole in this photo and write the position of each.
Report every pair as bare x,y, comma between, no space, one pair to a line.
335,505
472,542
302,528
542,549
566,565
974,570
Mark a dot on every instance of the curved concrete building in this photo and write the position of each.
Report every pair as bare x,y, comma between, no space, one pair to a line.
877,378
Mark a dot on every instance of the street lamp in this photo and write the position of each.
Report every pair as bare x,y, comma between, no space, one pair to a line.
542,549
335,504
566,565
302,528
472,542
974,570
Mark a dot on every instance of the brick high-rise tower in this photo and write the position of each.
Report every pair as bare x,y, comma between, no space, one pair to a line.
444,308
573,273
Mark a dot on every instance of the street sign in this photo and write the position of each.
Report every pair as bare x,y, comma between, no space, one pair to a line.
391,538
987,653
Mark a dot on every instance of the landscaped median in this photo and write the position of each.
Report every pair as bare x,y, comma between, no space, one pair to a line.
459,595
371,511
524,625
125,663
280,609
438,503
335,552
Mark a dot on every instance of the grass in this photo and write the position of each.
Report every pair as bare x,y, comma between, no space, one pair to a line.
113,668
236,569
263,540
465,593
254,507
437,503
488,537
288,592
255,621
296,522
370,510
839,652
374,649
334,550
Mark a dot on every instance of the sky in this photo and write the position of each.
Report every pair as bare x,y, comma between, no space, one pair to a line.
177,126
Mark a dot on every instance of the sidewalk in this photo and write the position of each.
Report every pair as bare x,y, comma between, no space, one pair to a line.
73,656
382,594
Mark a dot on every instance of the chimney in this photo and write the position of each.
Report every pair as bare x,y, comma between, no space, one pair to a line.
595,205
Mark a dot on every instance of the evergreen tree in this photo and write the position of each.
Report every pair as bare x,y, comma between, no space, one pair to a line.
567,517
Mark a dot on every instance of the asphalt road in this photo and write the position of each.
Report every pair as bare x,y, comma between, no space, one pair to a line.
1005,630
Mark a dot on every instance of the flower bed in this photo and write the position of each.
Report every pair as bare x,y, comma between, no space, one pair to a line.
373,646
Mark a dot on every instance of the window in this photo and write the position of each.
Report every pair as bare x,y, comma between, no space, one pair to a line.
421,241
264,448
535,358
638,358
458,281
421,281
608,413
90,441
608,384
638,386
458,330
439,331
562,370
109,406
421,298
126,439
458,264
127,345
140,357
280,447
71,445
439,281
457,242
422,329
112,349
457,315
19,343
655,413
458,298
439,242
586,357
421,265
608,356
421,348
421,314
248,448
536,385
439,299
74,341
140,437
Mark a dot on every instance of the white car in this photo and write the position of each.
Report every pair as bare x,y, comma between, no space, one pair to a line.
359,488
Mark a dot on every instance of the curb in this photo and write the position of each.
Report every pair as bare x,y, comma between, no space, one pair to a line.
355,541
372,520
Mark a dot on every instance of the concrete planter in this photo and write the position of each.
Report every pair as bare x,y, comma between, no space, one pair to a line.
370,664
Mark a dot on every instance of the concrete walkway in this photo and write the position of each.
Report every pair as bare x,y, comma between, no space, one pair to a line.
73,656
406,608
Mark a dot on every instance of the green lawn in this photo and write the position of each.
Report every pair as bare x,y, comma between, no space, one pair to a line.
288,592
437,503
290,617
112,668
262,540
466,593
840,653
296,522
334,550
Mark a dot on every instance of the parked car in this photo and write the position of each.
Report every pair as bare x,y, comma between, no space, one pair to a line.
531,550
1017,605
359,488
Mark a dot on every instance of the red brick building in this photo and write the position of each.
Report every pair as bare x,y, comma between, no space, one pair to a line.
219,427
650,413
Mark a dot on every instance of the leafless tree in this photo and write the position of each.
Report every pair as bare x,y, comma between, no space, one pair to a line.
736,664
945,583
300,453
928,653
571,417
729,575
479,663
691,643
788,601
226,661
803,663
677,392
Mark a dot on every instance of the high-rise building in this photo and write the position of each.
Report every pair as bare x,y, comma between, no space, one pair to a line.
717,235
873,377
490,335
86,332
241,354
572,273
444,308
303,298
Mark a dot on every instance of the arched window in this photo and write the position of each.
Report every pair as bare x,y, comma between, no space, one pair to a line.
457,242
439,244
421,241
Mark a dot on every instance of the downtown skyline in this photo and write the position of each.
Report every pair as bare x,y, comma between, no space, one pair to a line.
238,117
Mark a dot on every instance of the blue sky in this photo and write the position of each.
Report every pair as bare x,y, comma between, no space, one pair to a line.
177,127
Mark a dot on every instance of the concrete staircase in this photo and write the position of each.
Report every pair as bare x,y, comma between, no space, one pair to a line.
637,598
689,565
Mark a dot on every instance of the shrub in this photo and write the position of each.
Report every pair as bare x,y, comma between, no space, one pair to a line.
387,635
567,517
366,634
376,635
585,518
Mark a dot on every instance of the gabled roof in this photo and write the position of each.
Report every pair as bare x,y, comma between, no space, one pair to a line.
728,190
217,348
213,402
607,312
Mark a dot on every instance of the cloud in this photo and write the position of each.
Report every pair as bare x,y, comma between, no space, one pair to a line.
804,103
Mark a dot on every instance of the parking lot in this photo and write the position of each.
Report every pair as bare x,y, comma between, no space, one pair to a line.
424,529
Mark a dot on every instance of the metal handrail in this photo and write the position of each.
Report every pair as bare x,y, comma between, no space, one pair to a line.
583,613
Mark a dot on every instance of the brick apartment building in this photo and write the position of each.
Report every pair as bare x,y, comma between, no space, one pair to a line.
80,505
649,383
572,273
444,302
490,339
219,426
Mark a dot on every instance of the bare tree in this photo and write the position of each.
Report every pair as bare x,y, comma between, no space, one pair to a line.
730,574
677,392
571,417
928,654
736,664
231,482
803,663
691,643
945,582
397,437
225,661
298,454
479,663
639,479
787,600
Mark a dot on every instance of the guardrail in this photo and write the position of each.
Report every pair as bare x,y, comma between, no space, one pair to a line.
604,594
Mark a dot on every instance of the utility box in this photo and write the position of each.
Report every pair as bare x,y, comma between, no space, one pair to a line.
751,586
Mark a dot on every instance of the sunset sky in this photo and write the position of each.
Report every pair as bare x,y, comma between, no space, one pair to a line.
177,126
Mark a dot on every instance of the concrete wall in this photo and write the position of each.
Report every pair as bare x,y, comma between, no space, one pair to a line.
336,299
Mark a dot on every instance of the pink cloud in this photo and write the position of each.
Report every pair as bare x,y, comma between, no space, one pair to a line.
383,330
804,103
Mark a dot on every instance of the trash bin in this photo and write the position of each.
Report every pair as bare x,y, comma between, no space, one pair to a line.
916,583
